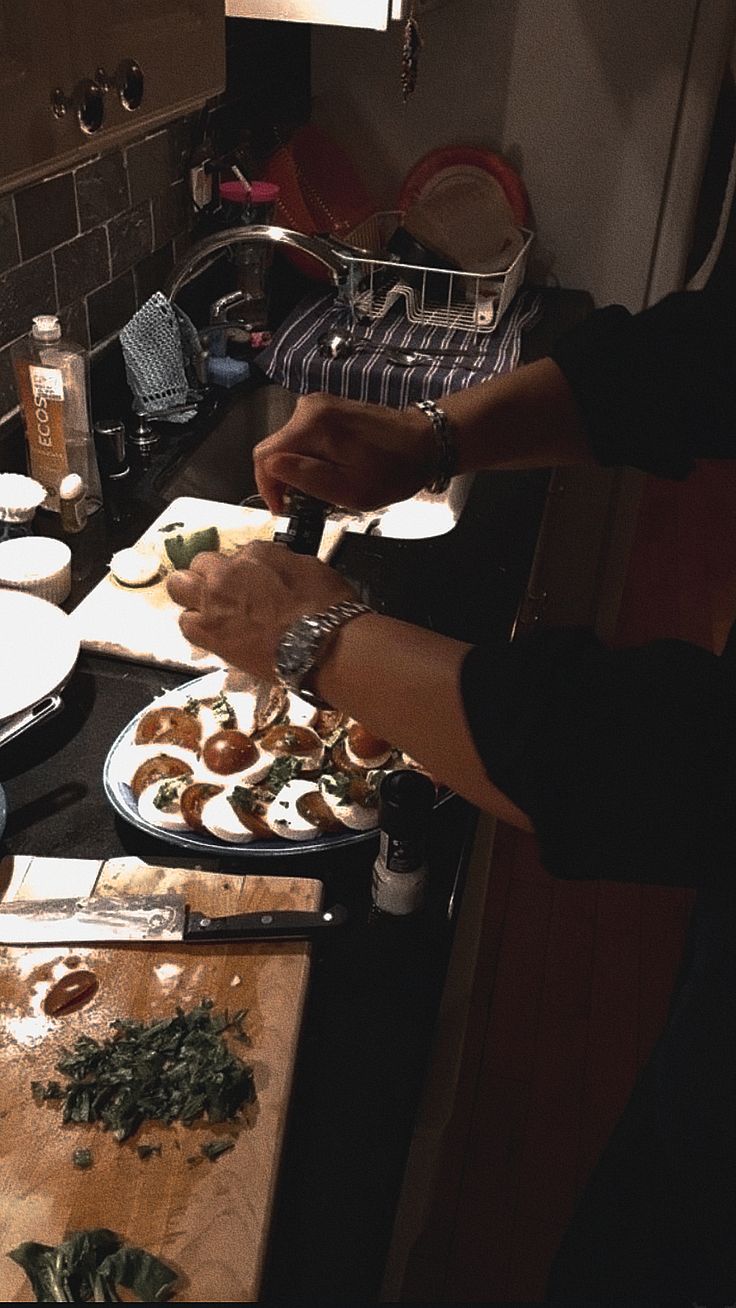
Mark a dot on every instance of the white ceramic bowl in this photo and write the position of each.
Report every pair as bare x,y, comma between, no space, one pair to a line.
38,565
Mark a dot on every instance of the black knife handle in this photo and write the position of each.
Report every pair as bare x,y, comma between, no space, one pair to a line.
277,925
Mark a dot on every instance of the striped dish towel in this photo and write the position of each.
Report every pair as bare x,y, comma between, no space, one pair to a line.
294,361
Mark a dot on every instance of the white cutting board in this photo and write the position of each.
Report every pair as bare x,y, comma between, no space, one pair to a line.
142,622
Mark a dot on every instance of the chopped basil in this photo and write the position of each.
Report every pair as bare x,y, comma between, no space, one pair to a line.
43,1092
192,706
224,712
171,526
148,1150
281,772
337,784
167,792
244,799
213,1148
173,1069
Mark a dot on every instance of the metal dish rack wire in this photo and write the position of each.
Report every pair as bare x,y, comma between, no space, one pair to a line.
455,301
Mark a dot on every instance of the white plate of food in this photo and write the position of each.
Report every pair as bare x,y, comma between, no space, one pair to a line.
225,765
38,650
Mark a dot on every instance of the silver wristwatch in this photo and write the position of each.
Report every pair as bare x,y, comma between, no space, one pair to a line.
301,646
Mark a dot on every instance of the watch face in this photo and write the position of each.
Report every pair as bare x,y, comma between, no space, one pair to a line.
290,660
296,654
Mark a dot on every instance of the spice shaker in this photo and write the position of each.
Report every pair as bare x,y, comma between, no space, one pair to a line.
72,503
303,531
406,802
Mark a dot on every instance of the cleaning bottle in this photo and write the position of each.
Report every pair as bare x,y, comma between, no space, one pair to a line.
51,375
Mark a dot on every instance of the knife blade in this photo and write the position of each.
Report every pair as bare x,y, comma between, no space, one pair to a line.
150,919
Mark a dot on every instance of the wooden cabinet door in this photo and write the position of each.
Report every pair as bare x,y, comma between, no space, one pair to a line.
34,58
49,44
179,46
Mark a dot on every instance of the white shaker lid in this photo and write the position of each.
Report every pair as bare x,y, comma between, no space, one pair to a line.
71,486
46,327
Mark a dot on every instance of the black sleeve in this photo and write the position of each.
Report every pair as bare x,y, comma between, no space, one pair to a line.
623,759
657,389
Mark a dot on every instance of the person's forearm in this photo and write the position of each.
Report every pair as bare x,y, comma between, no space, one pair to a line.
403,683
525,419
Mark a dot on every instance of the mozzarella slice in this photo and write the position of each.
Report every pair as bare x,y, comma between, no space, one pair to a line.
130,759
221,820
299,712
283,816
244,707
168,816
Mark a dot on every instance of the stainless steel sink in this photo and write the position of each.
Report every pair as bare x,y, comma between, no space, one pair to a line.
221,468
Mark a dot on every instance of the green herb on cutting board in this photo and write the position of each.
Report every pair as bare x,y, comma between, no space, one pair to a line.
182,549
148,1150
213,1148
175,1069
89,1266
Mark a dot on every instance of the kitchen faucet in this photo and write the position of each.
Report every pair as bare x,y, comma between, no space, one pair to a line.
204,253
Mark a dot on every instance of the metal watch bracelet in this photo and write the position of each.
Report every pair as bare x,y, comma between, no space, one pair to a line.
302,646
445,460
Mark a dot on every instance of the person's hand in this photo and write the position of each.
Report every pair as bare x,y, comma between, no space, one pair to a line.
358,456
239,606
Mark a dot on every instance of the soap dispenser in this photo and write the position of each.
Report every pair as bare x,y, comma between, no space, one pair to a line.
52,380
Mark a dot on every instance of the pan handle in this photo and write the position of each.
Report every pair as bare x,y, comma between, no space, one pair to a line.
13,727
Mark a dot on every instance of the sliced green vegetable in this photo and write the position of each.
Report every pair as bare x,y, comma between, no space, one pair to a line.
175,1069
182,549
89,1266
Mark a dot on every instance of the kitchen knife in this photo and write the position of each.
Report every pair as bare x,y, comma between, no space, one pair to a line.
150,919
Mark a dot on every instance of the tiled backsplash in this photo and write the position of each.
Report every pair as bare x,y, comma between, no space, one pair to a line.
93,243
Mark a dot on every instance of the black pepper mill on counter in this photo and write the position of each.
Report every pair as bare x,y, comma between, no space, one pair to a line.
112,458
303,532
400,873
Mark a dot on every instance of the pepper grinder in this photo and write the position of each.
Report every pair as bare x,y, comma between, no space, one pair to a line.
303,532
406,802
112,458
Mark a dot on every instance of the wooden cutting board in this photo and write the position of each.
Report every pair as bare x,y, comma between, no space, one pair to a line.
142,622
207,1221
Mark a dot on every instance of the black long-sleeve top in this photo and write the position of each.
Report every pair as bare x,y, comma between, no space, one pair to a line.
625,760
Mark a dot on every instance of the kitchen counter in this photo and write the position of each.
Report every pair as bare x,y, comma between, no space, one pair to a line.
376,988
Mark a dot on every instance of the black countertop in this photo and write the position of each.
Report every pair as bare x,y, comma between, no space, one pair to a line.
375,989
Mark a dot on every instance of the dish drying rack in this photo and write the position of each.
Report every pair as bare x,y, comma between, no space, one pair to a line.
433,297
